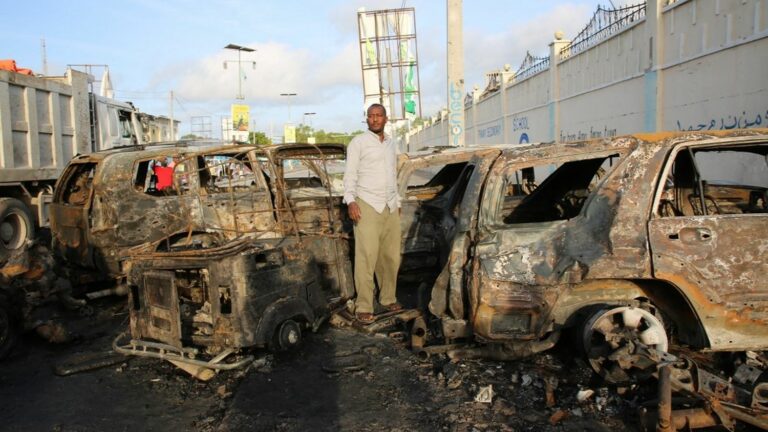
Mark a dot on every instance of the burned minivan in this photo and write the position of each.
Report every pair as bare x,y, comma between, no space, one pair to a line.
108,201
282,264
630,242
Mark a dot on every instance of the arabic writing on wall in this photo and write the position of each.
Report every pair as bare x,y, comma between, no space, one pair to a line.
592,133
741,121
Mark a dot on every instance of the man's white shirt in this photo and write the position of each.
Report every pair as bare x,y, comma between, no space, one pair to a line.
371,172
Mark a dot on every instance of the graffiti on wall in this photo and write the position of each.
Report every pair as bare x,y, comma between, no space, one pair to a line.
742,121
455,121
590,134
490,131
519,123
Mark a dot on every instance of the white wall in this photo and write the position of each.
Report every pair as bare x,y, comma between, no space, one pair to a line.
686,65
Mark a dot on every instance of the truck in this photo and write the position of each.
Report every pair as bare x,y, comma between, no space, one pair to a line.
44,122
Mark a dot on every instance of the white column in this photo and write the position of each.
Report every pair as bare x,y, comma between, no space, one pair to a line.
456,123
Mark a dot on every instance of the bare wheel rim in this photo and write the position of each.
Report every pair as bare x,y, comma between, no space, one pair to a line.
612,336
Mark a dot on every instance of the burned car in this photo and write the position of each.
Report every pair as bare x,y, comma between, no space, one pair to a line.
108,201
287,273
627,242
284,261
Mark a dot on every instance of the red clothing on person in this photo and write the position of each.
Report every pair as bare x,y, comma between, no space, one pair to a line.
164,177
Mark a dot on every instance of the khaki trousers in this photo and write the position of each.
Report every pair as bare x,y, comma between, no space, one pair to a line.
377,251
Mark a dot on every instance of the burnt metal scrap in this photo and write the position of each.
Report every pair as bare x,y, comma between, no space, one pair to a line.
703,399
31,292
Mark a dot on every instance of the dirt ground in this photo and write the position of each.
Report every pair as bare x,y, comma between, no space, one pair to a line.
339,379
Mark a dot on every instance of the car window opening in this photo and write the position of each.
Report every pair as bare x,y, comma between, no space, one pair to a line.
716,181
560,195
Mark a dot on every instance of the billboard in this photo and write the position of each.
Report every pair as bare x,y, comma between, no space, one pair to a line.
389,61
241,121
289,133
240,117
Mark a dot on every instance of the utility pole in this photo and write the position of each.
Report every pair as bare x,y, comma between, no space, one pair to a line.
456,122
239,50
45,56
173,135
288,95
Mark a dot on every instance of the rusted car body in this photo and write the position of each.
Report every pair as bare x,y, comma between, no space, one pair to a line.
267,285
276,276
635,239
105,202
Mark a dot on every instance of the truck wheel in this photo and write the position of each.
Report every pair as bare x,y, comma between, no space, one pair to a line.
8,329
16,224
288,335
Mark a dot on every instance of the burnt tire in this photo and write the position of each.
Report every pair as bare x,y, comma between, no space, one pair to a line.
8,329
16,225
287,336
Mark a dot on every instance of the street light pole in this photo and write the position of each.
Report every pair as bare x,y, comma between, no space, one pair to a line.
304,119
239,50
288,95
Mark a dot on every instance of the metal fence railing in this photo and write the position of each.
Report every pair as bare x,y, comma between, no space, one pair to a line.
604,23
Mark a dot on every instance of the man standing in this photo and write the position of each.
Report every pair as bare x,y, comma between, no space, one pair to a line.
370,191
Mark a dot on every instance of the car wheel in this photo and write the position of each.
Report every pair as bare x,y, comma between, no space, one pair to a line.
16,225
613,338
288,335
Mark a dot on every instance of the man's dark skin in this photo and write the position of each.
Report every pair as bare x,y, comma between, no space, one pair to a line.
377,119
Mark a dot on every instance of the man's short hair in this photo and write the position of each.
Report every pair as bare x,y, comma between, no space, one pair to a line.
376,105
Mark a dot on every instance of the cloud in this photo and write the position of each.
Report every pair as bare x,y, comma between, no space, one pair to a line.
279,68
486,52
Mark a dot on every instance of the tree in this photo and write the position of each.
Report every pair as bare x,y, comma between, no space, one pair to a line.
191,136
303,132
259,138
403,130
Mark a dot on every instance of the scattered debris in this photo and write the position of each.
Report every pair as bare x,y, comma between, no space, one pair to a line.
89,361
585,394
346,363
557,417
485,395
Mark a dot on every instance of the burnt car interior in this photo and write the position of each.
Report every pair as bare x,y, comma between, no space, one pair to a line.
78,184
436,192
430,182
710,181
225,173
560,196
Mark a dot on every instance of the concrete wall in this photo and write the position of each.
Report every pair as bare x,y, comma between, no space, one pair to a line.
684,65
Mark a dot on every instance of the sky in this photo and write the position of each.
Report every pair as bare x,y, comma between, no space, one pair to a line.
306,47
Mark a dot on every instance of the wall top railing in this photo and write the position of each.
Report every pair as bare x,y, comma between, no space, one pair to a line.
604,23
531,65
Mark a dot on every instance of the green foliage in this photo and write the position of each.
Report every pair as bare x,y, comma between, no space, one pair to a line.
259,138
403,130
304,132
191,136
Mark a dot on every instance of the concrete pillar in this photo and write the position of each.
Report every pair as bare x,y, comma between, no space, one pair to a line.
476,92
455,68
554,85
505,75
653,91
